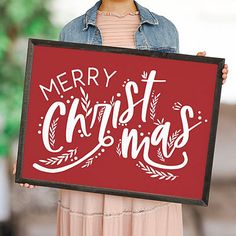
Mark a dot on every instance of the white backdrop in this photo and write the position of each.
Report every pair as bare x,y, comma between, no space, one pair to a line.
203,25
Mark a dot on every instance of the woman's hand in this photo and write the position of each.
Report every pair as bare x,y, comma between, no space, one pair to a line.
22,185
224,71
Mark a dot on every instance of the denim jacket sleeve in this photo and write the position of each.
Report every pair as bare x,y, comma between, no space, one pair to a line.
72,31
163,36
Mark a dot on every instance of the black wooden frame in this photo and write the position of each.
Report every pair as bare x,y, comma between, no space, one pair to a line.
78,46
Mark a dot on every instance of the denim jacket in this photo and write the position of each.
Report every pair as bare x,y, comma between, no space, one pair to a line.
155,32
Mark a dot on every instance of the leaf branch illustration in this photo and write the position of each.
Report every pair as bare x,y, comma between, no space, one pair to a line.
52,131
157,174
153,105
60,158
118,148
88,163
172,138
85,102
100,114
159,122
144,75
112,101
177,106
160,155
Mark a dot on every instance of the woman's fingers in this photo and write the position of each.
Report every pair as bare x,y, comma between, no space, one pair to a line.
224,76
225,72
26,185
203,54
14,168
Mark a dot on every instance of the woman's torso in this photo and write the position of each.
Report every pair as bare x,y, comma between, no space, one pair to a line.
103,214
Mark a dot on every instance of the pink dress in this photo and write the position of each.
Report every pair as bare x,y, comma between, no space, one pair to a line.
93,214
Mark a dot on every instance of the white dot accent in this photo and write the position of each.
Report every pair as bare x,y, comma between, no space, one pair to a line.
118,94
62,96
40,125
72,97
76,158
81,135
99,154
39,132
108,131
206,120
199,117
68,101
199,112
41,117
141,134
79,131
139,126
103,150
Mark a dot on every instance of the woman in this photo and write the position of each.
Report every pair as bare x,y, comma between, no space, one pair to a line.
120,23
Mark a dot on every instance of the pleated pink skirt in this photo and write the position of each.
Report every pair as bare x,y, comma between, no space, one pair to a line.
93,214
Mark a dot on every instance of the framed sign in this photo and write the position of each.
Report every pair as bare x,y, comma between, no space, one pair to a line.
120,121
